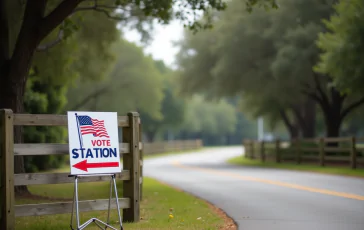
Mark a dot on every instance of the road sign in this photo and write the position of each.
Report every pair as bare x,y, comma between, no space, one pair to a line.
93,142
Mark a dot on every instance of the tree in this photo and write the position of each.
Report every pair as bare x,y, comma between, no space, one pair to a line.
274,71
131,83
33,21
172,108
24,25
342,46
212,63
51,74
43,96
205,119
341,59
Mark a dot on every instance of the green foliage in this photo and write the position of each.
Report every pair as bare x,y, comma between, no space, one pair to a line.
43,97
55,70
132,83
343,46
265,57
172,108
212,118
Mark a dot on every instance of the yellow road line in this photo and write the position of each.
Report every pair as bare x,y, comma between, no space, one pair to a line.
278,183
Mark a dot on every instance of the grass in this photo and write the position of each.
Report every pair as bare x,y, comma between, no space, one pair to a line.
158,199
291,166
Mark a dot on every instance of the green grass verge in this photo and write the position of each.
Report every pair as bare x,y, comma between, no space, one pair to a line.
188,211
311,168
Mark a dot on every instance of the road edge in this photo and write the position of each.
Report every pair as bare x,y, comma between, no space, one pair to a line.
229,223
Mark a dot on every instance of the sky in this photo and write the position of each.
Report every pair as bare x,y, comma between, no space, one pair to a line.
162,45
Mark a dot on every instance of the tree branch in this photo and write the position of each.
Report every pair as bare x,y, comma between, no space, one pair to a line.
351,107
289,125
4,33
57,16
96,94
320,91
299,117
312,95
101,8
49,45
90,96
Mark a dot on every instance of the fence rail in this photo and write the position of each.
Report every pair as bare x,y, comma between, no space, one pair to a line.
131,175
338,151
171,146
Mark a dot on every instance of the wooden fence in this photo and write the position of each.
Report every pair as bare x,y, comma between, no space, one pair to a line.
334,151
131,175
171,146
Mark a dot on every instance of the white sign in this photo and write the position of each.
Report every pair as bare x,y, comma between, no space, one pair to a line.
93,143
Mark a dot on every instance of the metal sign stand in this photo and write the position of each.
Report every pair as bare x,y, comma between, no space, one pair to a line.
95,220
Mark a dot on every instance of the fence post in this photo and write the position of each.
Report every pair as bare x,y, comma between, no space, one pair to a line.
141,152
322,152
131,162
7,200
252,145
299,151
262,151
278,153
245,147
353,153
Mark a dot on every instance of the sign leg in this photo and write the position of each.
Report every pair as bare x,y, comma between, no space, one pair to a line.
76,196
117,202
99,223
73,205
108,211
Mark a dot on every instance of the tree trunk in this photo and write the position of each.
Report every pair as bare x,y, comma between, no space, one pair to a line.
11,97
150,135
333,128
332,114
292,128
14,72
305,115
309,130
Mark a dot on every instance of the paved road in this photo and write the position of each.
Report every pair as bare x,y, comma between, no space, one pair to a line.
265,199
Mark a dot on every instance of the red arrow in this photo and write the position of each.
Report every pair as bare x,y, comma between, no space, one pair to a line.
83,165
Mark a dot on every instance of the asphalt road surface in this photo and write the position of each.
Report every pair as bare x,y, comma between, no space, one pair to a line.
265,199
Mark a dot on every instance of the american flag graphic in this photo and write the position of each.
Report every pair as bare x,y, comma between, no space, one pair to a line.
92,126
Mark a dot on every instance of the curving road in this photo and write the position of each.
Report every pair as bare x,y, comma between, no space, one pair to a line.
264,199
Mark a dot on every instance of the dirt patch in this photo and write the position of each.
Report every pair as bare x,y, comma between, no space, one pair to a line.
229,224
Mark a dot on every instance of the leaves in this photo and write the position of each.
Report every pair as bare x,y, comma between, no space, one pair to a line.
265,57
343,46
133,83
212,118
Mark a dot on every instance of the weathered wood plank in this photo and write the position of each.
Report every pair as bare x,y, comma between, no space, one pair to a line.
337,158
53,120
336,149
131,162
61,178
309,140
309,157
52,149
310,149
360,160
7,214
336,139
66,207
